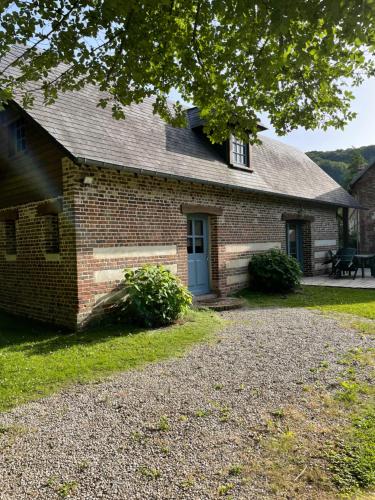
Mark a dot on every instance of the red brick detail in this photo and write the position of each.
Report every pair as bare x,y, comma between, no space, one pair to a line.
307,249
364,192
31,285
124,209
121,209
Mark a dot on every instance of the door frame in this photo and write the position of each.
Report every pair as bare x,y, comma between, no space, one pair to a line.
207,239
299,240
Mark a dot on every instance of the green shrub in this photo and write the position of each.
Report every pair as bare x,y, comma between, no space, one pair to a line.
155,296
274,271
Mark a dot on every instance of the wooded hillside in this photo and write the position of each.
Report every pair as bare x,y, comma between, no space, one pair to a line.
338,163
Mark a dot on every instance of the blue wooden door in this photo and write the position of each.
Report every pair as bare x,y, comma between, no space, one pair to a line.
197,249
295,241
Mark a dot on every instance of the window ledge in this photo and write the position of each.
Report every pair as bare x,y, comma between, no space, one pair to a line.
9,257
240,167
52,257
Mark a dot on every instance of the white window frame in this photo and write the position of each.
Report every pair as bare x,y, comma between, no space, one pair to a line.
233,155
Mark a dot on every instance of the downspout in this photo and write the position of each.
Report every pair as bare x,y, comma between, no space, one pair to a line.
345,226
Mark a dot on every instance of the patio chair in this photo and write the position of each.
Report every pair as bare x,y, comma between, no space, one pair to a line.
364,261
331,259
372,267
345,262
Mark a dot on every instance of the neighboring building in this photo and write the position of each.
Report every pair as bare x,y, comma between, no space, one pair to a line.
82,196
363,189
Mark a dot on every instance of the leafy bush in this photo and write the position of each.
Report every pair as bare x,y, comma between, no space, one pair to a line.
155,296
274,271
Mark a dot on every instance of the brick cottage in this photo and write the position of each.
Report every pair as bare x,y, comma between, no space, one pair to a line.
84,196
363,190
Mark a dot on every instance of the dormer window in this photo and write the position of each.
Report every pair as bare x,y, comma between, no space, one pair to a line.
16,137
239,153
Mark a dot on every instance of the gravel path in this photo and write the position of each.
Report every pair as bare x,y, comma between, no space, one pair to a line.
171,430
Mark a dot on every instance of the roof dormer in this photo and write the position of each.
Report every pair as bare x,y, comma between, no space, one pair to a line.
236,152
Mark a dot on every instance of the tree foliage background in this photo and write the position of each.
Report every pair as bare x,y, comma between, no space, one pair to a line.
291,59
343,164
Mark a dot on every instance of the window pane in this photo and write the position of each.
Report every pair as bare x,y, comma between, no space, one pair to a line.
199,247
21,141
16,137
198,228
11,139
52,233
10,238
190,245
190,227
292,242
239,149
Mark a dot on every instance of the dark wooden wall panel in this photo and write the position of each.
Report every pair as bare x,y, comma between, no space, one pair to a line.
33,175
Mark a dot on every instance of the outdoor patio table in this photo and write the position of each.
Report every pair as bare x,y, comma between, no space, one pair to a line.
362,260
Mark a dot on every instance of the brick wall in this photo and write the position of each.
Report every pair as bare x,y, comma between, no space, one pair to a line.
364,192
34,283
308,255
125,220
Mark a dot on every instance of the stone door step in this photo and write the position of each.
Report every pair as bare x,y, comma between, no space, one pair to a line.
219,303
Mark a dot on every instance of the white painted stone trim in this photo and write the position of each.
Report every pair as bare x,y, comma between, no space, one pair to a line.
52,257
135,251
172,268
237,278
108,275
118,274
319,266
237,263
325,243
320,255
10,257
251,247
105,299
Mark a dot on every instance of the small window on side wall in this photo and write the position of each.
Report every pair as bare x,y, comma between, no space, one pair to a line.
239,153
16,137
10,237
52,234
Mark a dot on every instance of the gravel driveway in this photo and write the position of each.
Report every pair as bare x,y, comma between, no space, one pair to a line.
171,430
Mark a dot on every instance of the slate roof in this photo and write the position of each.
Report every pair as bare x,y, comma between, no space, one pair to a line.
195,119
143,142
360,174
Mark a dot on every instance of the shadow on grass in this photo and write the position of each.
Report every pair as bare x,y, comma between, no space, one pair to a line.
33,337
36,359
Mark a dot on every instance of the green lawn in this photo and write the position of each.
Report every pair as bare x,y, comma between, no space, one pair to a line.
352,457
341,300
36,360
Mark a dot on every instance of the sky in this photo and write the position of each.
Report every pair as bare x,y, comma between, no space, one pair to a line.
358,132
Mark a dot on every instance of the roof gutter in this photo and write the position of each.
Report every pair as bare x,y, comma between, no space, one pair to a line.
144,171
